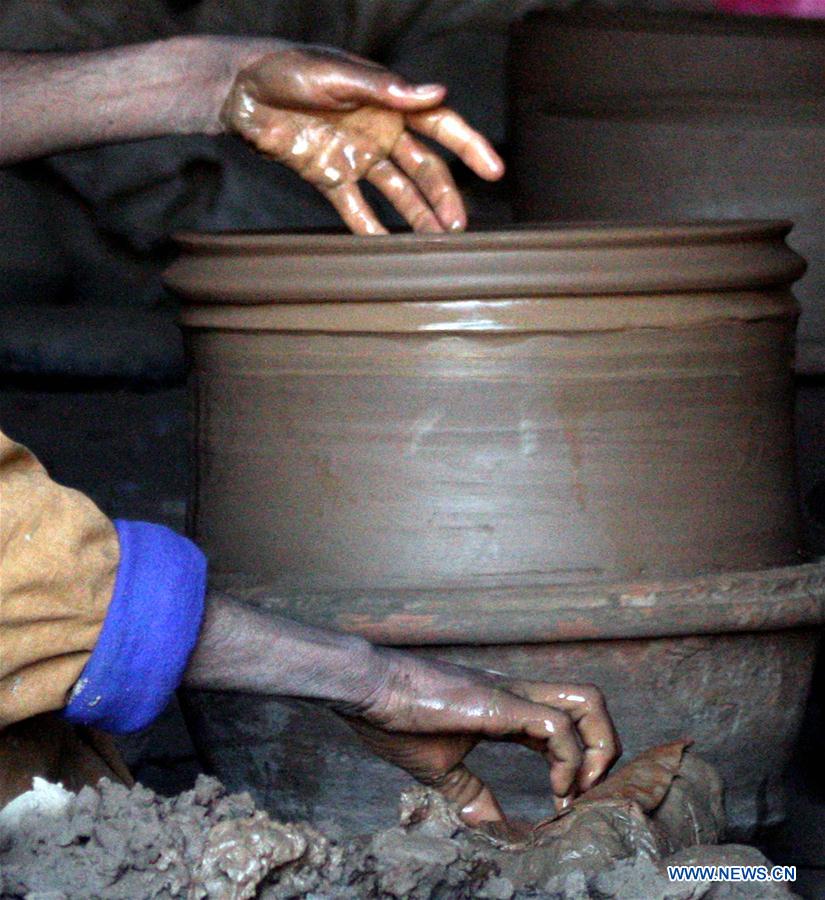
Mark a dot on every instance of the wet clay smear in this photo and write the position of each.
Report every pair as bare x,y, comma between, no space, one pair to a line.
128,844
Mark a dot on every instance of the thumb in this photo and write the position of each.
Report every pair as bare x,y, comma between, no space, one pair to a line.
313,77
475,801
357,85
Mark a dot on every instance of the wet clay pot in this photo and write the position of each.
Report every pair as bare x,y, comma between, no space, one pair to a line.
521,450
492,409
633,115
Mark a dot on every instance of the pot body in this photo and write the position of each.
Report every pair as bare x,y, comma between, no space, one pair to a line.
578,432
360,461
626,116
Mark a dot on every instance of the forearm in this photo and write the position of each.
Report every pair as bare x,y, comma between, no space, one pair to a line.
51,102
248,650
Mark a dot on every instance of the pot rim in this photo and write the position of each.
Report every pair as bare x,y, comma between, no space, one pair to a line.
552,235
774,599
270,268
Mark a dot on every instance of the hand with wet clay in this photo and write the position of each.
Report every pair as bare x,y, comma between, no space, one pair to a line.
426,716
333,118
336,119
422,715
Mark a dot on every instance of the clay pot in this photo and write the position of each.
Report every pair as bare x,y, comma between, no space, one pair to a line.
634,115
492,409
463,444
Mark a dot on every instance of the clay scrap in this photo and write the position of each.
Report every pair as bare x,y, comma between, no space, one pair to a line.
117,843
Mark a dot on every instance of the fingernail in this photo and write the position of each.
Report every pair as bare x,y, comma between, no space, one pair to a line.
564,803
422,90
495,164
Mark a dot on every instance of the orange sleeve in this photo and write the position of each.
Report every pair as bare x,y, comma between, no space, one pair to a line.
58,560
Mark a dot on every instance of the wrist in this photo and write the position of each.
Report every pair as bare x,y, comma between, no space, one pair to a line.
220,60
201,71
368,671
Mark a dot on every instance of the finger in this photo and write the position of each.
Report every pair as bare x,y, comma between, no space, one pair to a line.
475,801
586,706
433,178
404,196
528,722
563,752
562,804
353,209
449,129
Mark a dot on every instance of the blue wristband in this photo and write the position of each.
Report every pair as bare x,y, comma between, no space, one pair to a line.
149,633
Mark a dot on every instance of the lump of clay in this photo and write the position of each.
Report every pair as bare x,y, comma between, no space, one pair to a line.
118,843
44,799
631,879
589,839
645,780
238,853
693,810
663,800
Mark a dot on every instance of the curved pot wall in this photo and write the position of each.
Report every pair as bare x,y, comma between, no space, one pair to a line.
624,116
488,409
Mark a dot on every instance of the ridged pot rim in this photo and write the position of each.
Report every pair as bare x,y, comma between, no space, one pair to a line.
774,599
551,235
248,269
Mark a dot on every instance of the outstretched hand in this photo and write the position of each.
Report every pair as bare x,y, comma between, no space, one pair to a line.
336,119
426,716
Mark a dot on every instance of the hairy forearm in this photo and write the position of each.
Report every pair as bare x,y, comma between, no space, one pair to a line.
51,102
245,649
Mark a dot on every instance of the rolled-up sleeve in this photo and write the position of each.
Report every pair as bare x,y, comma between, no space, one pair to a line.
96,618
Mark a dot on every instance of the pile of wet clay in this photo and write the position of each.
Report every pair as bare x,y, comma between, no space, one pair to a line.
126,844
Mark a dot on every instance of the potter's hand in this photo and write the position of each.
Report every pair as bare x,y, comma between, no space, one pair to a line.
336,119
426,717
332,117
